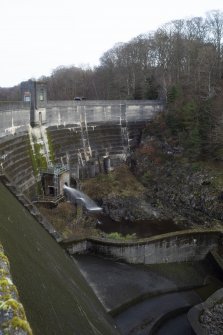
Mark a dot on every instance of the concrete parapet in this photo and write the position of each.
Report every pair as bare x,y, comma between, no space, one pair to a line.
183,246
12,315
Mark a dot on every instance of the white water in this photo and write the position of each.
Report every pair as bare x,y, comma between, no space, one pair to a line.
77,197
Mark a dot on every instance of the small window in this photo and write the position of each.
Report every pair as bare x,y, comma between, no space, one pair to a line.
41,95
27,97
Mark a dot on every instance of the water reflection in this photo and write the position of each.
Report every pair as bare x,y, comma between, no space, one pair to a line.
143,228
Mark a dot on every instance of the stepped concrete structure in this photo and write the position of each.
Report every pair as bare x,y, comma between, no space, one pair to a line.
74,133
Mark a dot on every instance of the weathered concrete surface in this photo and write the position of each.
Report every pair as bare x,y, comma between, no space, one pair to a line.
182,246
14,121
12,315
141,297
97,111
78,131
142,318
116,284
56,298
16,117
16,160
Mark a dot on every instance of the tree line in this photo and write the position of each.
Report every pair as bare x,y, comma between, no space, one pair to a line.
186,53
181,63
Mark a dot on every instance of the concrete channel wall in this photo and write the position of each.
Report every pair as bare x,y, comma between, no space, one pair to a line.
183,246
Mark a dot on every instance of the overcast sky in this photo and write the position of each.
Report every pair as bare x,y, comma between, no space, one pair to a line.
39,35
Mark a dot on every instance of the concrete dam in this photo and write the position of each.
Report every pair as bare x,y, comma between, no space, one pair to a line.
72,132
66,295
55,295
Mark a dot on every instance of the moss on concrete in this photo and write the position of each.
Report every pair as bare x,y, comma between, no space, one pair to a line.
13,319
51,147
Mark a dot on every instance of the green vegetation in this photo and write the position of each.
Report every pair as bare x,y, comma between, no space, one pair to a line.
146,177
4,258
119,236
51,148
9,305
70,221
118,182
38,159
22,324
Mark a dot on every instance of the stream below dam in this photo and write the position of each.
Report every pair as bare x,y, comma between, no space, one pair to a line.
139,228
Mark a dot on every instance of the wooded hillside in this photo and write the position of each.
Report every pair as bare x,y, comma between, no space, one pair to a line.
181,63
184,53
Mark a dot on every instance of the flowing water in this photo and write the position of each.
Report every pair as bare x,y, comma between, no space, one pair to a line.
56,297
77,197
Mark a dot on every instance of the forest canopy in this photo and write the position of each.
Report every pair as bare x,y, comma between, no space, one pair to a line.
185,53
180,63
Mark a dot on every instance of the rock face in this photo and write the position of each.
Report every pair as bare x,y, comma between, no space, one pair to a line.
207,318
129,208
212,319
186,191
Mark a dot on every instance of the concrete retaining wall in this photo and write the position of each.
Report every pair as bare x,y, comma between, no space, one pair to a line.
185,246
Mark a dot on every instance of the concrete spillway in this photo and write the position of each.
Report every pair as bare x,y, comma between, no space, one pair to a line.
76,196
56,298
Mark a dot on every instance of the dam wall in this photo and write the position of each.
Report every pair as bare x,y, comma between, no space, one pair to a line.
16,160
183,246
78,131
101,111
15,118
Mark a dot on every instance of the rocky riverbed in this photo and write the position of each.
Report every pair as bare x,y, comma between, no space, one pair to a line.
212,319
